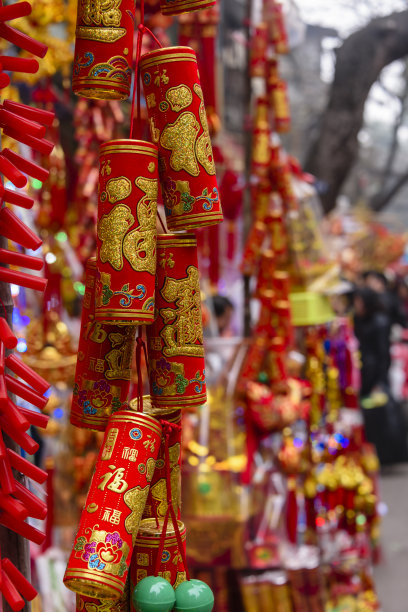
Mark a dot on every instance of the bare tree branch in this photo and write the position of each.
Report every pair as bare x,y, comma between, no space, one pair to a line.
359,63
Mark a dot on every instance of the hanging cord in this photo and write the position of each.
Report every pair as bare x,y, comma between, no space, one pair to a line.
167,427
141,30
140,345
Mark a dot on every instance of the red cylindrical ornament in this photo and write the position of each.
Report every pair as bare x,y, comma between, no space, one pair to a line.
102,375
90,604
253,248
253,362
279,33
258,51
101,555
176,7
281,284
156,504
281,109
126,233
178,124
103,49
279,239
145,554
261,151
266,272
175,340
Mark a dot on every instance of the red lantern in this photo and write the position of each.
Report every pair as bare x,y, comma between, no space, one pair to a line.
178,124
146,549
102,375
103,49
101,555
126,234
176,7
175,340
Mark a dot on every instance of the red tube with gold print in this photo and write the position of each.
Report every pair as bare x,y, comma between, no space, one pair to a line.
145,554
100,558
103,49
175,340
102,375
126,232
178,125
90,604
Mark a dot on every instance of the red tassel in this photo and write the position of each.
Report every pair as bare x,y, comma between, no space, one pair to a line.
26,166
8,484
34,114
39,144
15,11
12,173
26,373
13,228
36,507
10,593
21,438
19,64
36,418
13,415
26,467
22,279
18,199
9,119
23,529
23,41
6,335
18,259
13,507
26,589
23,391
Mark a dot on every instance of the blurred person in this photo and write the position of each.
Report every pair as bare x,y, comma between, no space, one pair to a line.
371,327
390,300
223,310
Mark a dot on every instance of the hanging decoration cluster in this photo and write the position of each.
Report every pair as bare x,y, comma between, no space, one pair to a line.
130,538
27,126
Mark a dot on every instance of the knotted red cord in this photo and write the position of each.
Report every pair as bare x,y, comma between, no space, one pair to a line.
170,510
140,345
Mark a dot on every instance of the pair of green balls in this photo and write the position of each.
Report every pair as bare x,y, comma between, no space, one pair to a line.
155,594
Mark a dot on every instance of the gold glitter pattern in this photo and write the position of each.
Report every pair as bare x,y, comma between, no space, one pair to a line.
118,189
100,12
139,246
135,499
183,331
180,137
203,147
100,34
179,97
159,492
111,231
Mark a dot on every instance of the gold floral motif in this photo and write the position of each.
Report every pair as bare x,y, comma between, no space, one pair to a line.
183,332
120,357
109,445
150,467
100,12
179,97
203,147
159,492
151,100
111,555
139,246
135,499
140,574
174,454
91,508
181,577
118,189
180,138
151,167
111,231
166,575
100,34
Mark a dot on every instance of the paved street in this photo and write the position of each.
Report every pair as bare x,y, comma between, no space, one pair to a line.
392,573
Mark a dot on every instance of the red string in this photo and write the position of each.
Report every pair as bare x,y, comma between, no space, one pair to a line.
142,29
139,346
170,509
1,301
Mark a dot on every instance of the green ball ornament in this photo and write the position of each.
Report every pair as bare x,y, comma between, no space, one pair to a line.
153,594
194,596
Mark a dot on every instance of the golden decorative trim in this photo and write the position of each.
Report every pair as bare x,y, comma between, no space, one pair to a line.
169,60
109,149
148,528
181,243
91,263
87,583
100,93
179,401
100,34
185,6
187,222
100,313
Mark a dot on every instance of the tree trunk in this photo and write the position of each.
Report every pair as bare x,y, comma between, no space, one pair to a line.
359,62
13,546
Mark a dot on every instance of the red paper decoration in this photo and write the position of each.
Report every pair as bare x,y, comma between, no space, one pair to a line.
103,49
126,233
178,125
175,340
102,375
101,555
176,7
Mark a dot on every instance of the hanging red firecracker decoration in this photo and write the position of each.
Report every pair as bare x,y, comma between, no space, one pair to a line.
146,549
103,49
258,51
280,106
102,375
266,272
126,233
253,248
178,125
90,604
175,340
261,153
101,555
277,21
176,7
